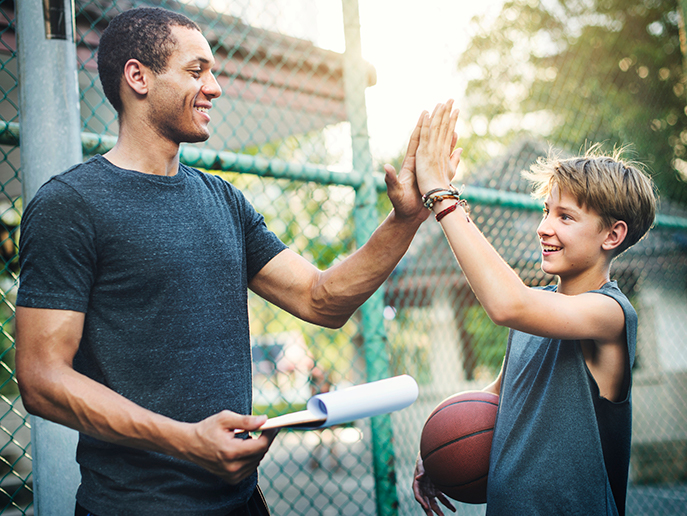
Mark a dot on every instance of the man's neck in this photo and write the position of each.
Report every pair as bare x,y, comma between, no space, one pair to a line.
144,152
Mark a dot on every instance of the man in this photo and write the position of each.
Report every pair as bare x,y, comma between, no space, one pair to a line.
138,339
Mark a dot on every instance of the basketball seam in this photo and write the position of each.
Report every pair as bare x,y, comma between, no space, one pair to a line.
455,441
463,484
458,402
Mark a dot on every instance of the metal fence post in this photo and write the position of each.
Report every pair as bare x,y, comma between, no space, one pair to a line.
50,142
366,217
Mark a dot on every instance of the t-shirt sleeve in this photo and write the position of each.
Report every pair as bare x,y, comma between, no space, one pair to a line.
57,250
261,244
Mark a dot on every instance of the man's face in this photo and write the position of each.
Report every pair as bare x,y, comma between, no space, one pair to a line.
181,96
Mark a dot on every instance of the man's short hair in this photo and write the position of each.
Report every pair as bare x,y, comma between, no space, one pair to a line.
612,187
144,34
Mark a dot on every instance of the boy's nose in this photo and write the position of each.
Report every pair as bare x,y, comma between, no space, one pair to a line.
544,228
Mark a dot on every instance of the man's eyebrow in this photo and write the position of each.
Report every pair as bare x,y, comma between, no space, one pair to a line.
200,59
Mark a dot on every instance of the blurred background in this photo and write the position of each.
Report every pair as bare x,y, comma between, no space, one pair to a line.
317,96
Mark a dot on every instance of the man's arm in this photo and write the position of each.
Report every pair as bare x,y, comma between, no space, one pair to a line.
47,341
328,298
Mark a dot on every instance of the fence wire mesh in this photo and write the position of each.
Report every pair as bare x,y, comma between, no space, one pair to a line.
560,73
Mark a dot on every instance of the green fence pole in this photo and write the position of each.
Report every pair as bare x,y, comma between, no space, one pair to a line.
366,218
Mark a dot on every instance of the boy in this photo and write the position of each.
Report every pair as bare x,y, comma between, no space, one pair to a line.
562,438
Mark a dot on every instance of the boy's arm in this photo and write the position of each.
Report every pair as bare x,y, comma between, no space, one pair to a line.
506,299
47,341
495,386
328,298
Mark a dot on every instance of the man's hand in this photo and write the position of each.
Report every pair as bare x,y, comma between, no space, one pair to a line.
436,161
215,447
402,188
426,492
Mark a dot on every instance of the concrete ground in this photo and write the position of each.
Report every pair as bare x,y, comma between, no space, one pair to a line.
342,484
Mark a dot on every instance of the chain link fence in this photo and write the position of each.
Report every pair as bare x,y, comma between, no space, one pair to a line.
283,131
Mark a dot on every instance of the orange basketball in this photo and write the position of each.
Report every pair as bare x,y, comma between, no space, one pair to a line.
456,443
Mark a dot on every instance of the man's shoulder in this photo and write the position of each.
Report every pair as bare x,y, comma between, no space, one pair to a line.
75,177
214,183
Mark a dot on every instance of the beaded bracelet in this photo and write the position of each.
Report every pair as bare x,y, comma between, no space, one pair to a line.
461,202
440,194
445,212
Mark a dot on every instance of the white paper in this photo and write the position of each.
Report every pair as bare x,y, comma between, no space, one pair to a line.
358,402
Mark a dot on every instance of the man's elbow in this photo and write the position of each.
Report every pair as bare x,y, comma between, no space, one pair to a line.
30,388
30,399
330,321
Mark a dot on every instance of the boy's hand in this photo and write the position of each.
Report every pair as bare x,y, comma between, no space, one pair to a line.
436,161
402,188
426,492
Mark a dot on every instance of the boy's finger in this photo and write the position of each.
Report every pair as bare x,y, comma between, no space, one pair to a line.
437,116
450,117
445,122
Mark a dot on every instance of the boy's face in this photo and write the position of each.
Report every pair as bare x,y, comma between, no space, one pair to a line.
570,237
181,96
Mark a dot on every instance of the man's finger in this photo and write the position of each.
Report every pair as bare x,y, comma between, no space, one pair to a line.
414,138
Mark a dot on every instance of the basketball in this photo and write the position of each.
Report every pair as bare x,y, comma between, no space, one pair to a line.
456,442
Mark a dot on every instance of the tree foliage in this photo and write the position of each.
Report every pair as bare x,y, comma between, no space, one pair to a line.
581,71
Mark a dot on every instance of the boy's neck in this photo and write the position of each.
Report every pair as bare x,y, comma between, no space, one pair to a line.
592,280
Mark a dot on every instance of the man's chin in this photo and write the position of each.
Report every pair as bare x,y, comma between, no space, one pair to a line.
195,138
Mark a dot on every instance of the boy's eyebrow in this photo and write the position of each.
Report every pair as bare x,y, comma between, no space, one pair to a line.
565,207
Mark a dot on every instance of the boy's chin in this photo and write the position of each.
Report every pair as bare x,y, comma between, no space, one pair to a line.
548,269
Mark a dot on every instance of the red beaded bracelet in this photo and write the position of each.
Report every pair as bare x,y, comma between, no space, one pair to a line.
461,202
445,212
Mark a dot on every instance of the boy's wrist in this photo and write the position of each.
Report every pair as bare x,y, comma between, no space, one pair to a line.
445,207
432,196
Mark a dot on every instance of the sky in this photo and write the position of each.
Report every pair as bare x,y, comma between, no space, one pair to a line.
414,47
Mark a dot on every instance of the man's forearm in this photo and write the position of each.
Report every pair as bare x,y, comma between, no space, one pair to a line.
71,399
347,285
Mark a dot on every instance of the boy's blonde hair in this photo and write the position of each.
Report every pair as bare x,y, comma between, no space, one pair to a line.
613,188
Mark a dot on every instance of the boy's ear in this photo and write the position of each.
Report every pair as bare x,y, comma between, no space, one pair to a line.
615,235
136,76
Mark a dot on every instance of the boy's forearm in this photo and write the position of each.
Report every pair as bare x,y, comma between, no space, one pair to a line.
496,285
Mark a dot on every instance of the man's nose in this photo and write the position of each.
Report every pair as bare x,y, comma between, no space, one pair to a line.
211,88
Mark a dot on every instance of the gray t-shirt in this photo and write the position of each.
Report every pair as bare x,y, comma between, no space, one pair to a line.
558,446
160,267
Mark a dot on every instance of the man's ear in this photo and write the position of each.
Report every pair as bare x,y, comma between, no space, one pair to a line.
136,76
615,235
